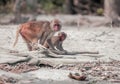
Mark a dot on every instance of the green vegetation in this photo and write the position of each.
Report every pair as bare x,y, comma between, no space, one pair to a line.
6,8
52,6
84,7
100,11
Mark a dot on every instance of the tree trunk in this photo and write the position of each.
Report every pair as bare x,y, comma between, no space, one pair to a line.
32,4
112,10
69,7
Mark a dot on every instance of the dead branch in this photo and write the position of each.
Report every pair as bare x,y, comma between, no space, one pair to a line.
19,61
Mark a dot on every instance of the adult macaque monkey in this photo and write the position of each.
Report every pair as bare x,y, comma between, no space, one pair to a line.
37,30
56,42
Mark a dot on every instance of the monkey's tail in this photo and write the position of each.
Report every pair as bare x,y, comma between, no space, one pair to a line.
17,35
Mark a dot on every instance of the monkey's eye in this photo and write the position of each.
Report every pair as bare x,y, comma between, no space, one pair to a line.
57,25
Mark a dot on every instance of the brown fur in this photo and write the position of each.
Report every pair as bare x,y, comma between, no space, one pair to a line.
36,30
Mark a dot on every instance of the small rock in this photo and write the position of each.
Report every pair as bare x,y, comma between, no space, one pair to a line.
76,76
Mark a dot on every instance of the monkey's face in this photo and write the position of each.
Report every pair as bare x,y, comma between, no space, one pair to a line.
62,36
56,26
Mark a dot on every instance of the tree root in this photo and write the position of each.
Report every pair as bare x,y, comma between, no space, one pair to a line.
82,52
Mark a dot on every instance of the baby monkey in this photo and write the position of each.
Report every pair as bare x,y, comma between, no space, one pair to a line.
56,43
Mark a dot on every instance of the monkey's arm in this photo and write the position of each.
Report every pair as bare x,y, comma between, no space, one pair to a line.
43,38
50,44
46,33
60,48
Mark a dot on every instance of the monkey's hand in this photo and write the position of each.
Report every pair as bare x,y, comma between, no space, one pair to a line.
65,52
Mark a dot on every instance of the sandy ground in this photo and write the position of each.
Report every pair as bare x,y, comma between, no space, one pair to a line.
102,39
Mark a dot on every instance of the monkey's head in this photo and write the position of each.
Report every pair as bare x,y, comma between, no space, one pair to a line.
55,25
62,36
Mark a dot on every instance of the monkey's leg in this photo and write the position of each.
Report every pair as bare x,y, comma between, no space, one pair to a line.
35,44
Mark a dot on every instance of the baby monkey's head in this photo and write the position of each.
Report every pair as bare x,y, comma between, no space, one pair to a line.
62,36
